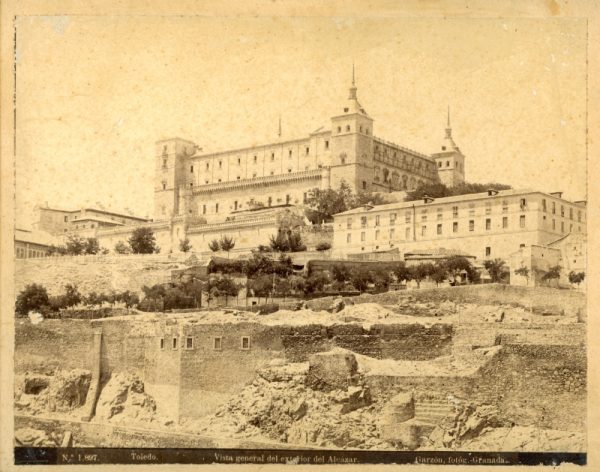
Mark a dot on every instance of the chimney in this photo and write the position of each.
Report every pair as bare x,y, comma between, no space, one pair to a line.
581,202
369,206
556,194
427,199
491,192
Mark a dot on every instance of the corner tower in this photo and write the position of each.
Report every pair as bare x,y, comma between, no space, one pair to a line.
450,161
169,175
352,145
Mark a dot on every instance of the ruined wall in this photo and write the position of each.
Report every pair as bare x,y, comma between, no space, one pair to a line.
96,273
403,341
541,299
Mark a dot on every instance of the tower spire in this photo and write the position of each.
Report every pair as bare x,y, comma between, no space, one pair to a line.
353,88
448,127
279,129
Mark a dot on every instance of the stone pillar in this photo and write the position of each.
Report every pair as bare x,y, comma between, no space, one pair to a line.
93,391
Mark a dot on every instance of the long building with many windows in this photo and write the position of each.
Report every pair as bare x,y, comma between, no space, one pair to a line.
486,225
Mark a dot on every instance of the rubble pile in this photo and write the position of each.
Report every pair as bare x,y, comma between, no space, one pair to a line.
281,406
36,438
123,399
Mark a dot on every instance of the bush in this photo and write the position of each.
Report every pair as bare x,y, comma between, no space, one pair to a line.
323,246
32,297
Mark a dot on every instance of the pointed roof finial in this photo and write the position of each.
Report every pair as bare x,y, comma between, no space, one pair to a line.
448,127
279,130
353,74
448,116
353,87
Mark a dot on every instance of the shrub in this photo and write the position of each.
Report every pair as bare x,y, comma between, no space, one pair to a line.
323,246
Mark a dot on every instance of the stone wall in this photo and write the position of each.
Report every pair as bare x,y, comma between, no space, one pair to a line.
541,299
97,273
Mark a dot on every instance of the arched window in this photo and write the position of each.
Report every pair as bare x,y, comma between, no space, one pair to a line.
343,158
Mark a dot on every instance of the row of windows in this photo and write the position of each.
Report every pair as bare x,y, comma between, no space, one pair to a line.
562,210
439,229
23,253
255,158
348,128
458,164
217,343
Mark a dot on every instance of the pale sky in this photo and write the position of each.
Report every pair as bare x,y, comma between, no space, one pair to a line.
95,93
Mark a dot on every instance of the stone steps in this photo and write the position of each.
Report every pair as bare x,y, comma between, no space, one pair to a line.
432,411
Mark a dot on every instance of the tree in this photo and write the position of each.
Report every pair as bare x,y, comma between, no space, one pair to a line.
315,283
360,278
195,288
91,246
523,272
75,245
72,296
439,273
553,273
438,190
104,251
322,204
142,241
130,299
576,277
184,245
214,245
401,272
283,286
287,241
382,279
340,273
457,265
224,286
261,286
497,269
58,250
227,243
32,297
420,272
122,248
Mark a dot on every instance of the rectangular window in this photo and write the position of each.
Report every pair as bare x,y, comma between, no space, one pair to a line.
362,236
544,205
454,212
455,227
204,209
407,233
440,215
471,225
439,229
570,213
554,208
326,144
522,221
523,203
216,208
377,220
349,223
272,156
423,230
377,234
392,219
174,345
553,224
207,165
504,206
269,201
392,233
562,226
191,169
579,216
488,251
488,224
349,238
424,215
217,345
488,208
307,151
245,343
562,211
162,343
289,153
66,219
407,217
189,342
363,221
505,222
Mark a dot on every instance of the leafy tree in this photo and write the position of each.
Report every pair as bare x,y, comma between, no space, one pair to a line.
184,245
438,190
72,296
32,297
261,286
175,298
194,288
360,278
75,245
401,272
576,277
287,241
283,267
553,273
523,272
58,250
122,248
227,243
142,241
497,269
323,246
297,283
456,265
382,279
130,299
438,274
93,299
91,246
214,245
322,204
340,273
283,286
315,283
224,286
420,272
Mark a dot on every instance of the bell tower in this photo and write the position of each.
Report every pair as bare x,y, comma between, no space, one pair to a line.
352,144
450,161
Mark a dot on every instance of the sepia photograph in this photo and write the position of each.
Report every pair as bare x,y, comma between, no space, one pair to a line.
299,239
